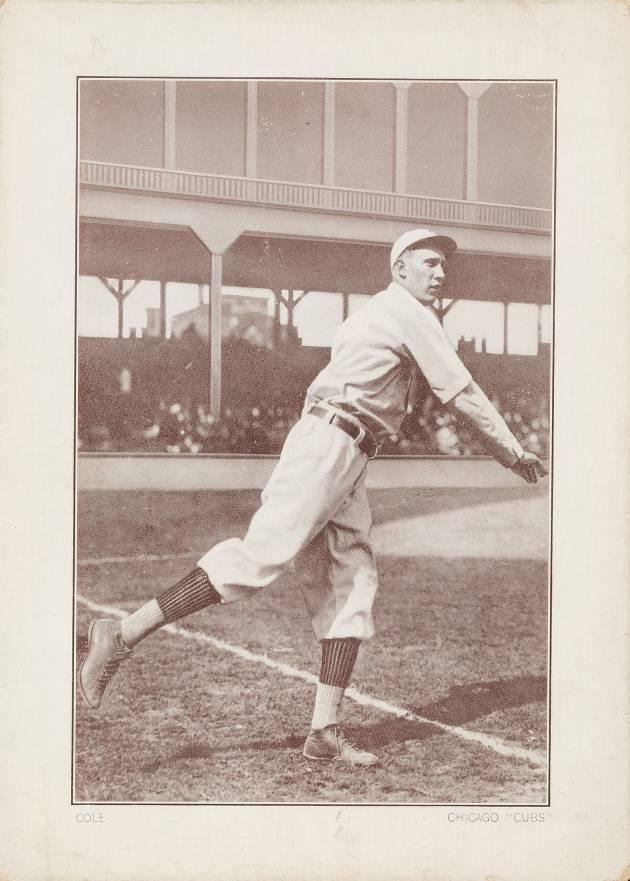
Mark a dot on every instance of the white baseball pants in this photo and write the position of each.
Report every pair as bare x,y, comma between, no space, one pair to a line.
314,506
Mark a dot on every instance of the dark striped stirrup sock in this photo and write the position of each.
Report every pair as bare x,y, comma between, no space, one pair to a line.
193,593
338,659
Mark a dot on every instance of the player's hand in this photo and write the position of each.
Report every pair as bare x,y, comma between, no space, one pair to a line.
530,468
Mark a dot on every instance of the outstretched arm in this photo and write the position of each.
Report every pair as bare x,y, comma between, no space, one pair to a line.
475,407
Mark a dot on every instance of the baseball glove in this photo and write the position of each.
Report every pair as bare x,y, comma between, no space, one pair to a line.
530,468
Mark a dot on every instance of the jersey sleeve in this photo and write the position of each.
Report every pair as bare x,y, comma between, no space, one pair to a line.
473,403
438,361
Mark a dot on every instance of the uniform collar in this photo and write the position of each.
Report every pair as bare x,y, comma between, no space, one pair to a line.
403,293
404,297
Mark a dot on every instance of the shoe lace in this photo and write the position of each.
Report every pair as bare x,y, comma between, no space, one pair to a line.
111,666
353,753
342,740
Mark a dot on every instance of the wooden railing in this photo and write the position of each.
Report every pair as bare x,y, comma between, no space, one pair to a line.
314,197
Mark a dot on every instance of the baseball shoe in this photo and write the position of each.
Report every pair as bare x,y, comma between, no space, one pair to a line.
330,743
105,652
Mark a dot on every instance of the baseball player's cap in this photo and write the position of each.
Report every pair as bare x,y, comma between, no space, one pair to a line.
425,236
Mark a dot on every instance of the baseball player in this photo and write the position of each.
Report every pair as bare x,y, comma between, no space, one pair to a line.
315,502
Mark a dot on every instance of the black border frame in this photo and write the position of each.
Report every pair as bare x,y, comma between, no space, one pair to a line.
486,806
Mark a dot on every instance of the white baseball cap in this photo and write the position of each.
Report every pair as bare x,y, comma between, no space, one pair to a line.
414,237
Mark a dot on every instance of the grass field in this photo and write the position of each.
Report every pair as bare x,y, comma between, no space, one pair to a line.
461,647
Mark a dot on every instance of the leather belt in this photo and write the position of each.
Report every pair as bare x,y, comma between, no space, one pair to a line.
366,444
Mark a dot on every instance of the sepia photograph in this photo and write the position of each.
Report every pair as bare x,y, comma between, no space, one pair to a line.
314,333
314,362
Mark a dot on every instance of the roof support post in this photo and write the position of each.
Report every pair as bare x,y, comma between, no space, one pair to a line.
473,92
170,92
328,134
290,302
400,156
505,327
251,129
120,298
162,308
472,149
120,295
277,299
214,332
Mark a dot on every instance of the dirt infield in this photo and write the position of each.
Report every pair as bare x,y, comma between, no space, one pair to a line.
461,645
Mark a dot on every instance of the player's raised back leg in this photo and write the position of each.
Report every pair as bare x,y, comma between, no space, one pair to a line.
110,642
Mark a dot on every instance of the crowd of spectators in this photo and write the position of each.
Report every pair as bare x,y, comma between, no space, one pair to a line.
185,427
434,430
139,407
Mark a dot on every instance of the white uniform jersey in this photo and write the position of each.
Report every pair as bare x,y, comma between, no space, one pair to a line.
315,503
376,353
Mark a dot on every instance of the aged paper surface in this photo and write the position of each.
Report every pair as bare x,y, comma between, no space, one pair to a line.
585,47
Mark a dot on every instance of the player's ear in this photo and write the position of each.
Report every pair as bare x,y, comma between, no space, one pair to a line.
400,268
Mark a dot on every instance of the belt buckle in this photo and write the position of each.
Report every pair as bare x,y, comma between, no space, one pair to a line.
362,431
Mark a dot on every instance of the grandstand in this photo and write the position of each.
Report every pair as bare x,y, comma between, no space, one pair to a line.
297,188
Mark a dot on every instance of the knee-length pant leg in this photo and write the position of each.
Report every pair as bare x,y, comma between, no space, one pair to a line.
337,571
318,469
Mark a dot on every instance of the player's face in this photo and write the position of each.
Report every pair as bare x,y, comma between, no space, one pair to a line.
423,273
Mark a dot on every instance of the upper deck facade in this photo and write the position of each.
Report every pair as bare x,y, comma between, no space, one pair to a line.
356,161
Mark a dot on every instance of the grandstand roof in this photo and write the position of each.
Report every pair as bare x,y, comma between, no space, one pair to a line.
115,249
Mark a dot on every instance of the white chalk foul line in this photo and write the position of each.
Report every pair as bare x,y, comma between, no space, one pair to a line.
534,757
